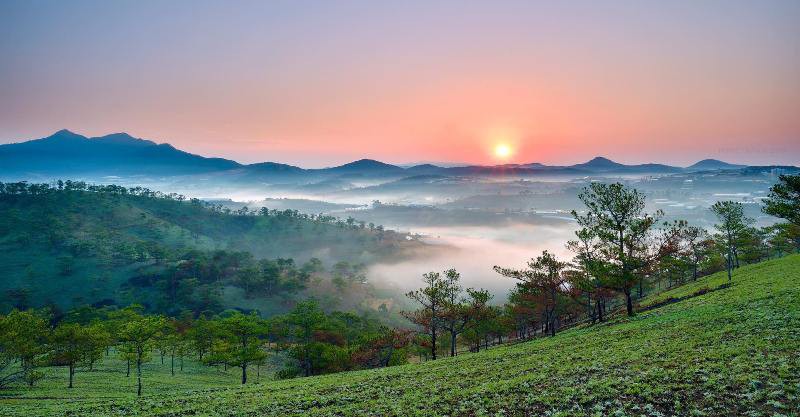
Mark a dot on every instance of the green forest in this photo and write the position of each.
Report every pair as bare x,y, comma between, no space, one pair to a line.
70,244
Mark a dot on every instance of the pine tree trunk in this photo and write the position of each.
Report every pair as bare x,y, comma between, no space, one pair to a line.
628,302
433,345
599,310
729,265
139,375
71,374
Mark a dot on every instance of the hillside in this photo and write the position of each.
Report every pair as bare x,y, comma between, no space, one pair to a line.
117,246
719,350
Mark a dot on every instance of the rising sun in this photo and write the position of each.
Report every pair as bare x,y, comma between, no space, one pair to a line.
502,151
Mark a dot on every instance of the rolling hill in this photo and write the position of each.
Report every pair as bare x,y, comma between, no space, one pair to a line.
708,348
712,164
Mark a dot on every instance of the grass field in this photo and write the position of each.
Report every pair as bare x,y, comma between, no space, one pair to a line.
107,381
730,351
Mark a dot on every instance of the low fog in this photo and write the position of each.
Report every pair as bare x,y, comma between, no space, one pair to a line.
473,251
470,223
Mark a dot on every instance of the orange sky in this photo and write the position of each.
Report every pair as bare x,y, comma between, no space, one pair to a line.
321,83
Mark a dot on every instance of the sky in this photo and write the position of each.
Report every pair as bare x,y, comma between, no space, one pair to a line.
319,83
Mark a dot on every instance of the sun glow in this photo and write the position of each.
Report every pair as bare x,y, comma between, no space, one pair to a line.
502,151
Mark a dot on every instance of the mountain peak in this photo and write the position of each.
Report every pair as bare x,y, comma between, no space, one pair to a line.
600,162
367,163
66,134
274,167
711,164
123,138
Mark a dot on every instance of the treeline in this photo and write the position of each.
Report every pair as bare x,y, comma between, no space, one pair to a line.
315,342
24,188
622,253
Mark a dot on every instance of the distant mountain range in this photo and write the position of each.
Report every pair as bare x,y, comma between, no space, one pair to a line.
67,154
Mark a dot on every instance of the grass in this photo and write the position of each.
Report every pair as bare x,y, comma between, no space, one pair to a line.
731,351
107,381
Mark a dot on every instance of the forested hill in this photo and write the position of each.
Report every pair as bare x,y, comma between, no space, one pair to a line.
72,244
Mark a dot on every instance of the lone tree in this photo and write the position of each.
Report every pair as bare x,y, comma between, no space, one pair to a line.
479,315
461,313
22,341
240,343
304,321
433,298
784,199
545,279
71,346
619,228
731,227
138,336
173,342
695,247
586,275
455,315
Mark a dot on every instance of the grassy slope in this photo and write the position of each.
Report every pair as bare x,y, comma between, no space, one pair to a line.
733,351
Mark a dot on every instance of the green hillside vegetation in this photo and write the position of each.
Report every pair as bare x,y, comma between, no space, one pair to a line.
72,244
733,350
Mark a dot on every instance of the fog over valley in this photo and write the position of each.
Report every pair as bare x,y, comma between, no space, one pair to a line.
406,220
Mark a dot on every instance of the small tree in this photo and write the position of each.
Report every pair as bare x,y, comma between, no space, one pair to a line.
478,315
695,248
240,344
173,343
731,227
138,336
23,339
617,223
784,199
304,321
98,340
545,279
455,316
71,347
587,274
433,298
201,335
783,238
